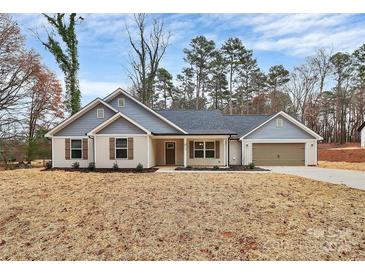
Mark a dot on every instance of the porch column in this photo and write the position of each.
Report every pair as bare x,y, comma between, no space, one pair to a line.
185,158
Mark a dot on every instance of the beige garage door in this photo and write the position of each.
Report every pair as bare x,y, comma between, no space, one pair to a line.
278,154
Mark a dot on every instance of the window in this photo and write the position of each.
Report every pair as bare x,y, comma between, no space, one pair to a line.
204,149
76,149
121,102
170,145
279,122
209,149
199,150
100,113
121,148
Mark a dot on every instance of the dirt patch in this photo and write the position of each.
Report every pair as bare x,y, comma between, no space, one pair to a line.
181,216
342,165
350,152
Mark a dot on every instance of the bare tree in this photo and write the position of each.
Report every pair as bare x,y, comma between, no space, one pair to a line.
148,50
16,67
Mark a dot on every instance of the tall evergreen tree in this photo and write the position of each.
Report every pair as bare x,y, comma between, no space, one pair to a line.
164,86
277,77
218,82
233,53
185,89
66,56
199,56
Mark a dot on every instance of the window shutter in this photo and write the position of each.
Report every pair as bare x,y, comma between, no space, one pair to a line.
111,148
217,150
130,148
67,148
85,150
191,149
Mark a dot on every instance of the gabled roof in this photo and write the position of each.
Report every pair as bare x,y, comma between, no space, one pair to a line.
291,119
77,115
112,119
121,91
242,124
198,121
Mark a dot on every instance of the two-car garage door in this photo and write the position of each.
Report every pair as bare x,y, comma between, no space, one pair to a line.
277,154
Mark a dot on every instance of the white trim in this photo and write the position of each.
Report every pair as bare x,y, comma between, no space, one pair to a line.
112,119
115,148
205,149
102,113
52,151
81,149
207,137
119,90
278,140
115,134
69,137
165,151
76,115
291,119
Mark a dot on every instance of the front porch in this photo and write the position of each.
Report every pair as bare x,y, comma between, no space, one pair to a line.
199,150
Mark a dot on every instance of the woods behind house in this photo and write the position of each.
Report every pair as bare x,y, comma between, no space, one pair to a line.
325,92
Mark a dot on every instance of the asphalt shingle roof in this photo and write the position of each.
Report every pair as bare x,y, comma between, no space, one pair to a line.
213,121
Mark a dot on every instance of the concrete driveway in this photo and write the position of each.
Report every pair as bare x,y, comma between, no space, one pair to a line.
351,178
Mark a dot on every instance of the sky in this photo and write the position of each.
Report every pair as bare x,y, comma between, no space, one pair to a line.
285,39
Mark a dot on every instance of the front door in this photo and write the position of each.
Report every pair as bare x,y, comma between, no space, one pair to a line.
170,153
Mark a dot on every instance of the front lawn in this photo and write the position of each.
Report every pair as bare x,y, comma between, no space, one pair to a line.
177,216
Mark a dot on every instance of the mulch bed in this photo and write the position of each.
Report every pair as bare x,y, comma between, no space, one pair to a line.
231,168
104,170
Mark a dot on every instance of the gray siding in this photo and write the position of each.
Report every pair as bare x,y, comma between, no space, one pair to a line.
86,122
121,126
142,116
288,131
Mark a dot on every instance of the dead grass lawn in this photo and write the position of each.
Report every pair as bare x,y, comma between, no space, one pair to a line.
342,165
97,216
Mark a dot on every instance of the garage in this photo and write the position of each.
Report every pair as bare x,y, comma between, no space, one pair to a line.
278,154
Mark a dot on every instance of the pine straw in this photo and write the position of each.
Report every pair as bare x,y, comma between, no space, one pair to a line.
95,216
342,165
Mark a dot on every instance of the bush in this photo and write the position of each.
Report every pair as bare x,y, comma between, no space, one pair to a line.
139,167
189,167
48,165
115,166
75,165
91,166
216,167
251,165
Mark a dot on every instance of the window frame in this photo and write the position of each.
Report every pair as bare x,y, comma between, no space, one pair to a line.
209,149
97,113
71,149
120,148
279,122
121,99
205,149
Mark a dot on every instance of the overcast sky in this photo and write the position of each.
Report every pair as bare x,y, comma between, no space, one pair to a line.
274,38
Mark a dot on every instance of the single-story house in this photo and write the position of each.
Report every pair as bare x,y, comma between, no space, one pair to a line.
120,129
361,129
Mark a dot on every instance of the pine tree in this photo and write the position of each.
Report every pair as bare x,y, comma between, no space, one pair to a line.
199,56
164,86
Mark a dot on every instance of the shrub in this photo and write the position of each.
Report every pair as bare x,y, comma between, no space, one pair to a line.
216,167
75,165
189,167
139,167
115,166
48,165
251,165
91,166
